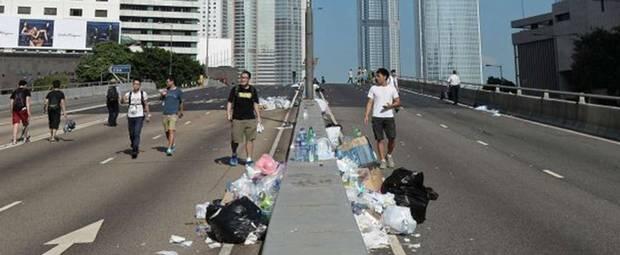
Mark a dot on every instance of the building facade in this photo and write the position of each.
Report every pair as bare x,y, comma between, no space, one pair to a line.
378,34
169,24
544,44
448,36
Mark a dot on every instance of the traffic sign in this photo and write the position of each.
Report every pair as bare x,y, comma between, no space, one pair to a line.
120,69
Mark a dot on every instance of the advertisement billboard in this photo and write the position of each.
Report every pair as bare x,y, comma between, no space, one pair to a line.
36,33
98,32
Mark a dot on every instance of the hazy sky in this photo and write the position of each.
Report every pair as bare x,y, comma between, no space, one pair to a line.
336,35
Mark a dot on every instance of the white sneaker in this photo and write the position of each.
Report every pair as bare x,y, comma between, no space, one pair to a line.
383,164
390,161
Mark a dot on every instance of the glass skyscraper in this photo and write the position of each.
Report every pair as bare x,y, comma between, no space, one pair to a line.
448,33
378,34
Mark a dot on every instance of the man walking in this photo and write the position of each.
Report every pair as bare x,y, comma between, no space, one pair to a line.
55,106
454,81
393,80
382,100
20,102
243,112
113,99
138,110
350,80
173,110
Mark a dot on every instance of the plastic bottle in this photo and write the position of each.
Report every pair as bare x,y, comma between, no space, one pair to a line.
304,150
298,153
357,132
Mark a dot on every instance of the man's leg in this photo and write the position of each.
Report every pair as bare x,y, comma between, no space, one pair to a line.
381,150
137,132
250,136
15,129
456,94
110,114
131,129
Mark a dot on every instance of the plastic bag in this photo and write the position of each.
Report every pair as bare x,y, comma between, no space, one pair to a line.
267,165
234,222
409,190
324,149
334,133
398,220
252,172
243,187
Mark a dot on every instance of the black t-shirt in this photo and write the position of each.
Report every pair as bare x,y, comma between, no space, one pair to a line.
19,98
54,98
243,100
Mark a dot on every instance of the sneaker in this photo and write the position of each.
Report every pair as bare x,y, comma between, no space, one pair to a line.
169,152
174,148
390,161
249,162
134,155
234,161
27,139
383,164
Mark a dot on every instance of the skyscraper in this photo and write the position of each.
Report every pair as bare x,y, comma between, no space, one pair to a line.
448,33
267,39
378,34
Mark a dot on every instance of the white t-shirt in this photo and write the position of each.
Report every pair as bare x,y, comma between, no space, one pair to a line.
381,96
393,82
454,80
135,104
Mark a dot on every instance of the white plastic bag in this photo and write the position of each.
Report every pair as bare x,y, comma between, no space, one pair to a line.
398,220
333,133
260,128
324,149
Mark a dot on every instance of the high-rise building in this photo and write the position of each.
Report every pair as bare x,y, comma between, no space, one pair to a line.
169,24
378,34
448,35
268,39
214,28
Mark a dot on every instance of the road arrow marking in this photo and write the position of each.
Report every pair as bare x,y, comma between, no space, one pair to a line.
84,235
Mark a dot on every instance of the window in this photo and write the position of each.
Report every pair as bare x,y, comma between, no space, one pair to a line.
562,17
102,0
49,11
101,13
1,8
75,12
23,10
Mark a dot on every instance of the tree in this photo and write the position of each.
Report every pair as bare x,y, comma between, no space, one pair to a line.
154,64
597,61
500,81
92,66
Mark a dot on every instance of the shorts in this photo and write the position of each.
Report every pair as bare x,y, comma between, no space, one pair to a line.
170,122
20,116
244,128
54,118
384,125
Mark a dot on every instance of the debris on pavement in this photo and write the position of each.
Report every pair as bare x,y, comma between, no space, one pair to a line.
166,253
272,103
181,241
484,108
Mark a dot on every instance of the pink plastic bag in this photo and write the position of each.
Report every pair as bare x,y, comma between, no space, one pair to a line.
267,165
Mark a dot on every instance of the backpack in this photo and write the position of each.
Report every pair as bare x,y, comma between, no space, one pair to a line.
141,98
112,96
19,100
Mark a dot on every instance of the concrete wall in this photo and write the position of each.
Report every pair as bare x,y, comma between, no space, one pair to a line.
17,66
603,121
39,96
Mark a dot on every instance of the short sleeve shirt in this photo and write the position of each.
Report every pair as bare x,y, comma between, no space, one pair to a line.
243,100
136,108
172,101
54,98
381,96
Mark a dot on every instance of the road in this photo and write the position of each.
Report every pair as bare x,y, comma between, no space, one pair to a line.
49,190
506,186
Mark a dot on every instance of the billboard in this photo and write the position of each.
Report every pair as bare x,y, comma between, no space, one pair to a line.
62,34
36,33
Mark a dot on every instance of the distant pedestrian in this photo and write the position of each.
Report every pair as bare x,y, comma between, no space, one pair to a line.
242,110
173,110
322,80
55,106
382,100
350,80
20,102
113,99
454,81
393,80
137,112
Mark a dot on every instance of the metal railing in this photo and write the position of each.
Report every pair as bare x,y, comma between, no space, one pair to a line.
66,86
578,97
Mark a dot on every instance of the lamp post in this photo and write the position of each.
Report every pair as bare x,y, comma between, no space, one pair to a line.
309,52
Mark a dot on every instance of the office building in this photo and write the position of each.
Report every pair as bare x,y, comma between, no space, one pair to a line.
378,34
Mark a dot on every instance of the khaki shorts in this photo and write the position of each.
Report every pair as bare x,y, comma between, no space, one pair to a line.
170,122
244,128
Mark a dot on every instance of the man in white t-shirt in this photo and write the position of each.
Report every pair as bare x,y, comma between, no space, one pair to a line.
138,111
393,80
382,100
454,81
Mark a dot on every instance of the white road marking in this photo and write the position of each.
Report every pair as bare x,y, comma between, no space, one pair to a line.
6,207
188,122
397,248
226,249
106,161
483,143
156,137
274,146
419,115
443,126
549,172
83,235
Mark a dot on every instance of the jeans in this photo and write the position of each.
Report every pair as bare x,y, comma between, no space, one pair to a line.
135,129
113,109
454,93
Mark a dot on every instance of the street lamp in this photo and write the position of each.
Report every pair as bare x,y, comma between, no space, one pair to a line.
501,70
309,52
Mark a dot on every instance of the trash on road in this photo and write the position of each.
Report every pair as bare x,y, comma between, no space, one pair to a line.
234,222
484,108
409,190
398,220
272,103
181,241
372,233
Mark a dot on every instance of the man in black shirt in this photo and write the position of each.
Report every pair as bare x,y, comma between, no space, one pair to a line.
243,112
20,105
55,106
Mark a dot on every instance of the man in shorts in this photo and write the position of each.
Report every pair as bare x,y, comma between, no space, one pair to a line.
20,106
55,106
382,100
173,110
244,113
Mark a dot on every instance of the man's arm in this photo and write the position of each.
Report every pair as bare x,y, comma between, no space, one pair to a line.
63,107
257,111
28,102
368,110
11,103
45,104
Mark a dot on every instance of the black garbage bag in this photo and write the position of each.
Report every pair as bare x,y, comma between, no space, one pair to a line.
409,191
232,223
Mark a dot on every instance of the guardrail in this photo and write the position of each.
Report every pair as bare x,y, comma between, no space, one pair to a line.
67,86
578,97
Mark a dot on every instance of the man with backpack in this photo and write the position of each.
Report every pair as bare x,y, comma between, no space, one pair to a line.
54,106
20,105
112,102
138,111
242,110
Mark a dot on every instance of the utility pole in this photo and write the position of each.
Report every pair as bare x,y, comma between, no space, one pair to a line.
170,54
309,52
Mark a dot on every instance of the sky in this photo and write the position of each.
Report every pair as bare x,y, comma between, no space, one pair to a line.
336,35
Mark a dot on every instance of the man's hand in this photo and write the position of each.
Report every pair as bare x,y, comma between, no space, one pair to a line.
148,117
366,120
180,114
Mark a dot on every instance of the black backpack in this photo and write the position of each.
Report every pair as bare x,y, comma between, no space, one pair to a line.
20,99
112,96
141,98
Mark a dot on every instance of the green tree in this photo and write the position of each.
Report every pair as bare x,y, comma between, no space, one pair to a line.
154,64
104,55
597,61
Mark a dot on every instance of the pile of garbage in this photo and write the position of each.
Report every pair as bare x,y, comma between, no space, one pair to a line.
381,206
272,103
309,148
242,216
